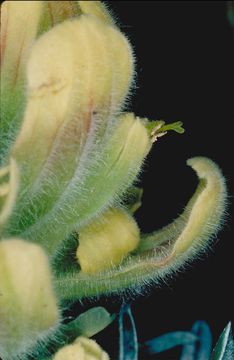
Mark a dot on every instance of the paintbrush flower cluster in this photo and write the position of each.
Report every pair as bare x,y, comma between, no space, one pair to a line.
70,156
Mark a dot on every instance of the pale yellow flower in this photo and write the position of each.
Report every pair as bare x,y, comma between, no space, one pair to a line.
82,349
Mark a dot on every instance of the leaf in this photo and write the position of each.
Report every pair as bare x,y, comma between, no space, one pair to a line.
224,349
90,322
201,349
128,344
87,324
168,341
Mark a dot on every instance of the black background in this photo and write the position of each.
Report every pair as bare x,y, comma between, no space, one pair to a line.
184,58
184,55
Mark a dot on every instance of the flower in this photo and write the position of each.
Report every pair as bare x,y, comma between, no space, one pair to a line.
71,117
82,349
28,307
76,143
70,156
106,241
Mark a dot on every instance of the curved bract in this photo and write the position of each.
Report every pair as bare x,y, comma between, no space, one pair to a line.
165,251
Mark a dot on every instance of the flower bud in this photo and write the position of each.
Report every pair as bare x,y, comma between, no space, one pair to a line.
82,349
78,76
106,241
28,306
21,23
79,69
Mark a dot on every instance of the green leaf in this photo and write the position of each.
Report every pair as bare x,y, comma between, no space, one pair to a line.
90,322
201,349
224,349
168,341
128,344
87,324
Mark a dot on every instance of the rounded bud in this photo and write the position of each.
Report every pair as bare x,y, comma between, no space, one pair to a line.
107,240
28,306
82,349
